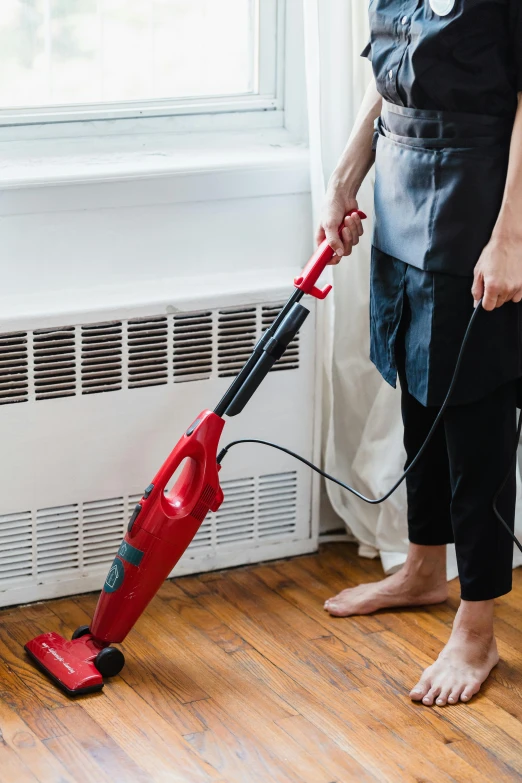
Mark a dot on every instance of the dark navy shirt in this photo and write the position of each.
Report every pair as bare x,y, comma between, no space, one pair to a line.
469,59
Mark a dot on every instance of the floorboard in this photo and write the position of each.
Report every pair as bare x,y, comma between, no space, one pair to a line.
240,676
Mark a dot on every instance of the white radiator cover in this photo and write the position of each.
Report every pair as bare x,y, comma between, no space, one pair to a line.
90,408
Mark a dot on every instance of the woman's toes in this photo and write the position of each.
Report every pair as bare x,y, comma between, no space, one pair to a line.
333,608
419,691
334,600
455,695
431,695
329,602
469,691
422,687
443,696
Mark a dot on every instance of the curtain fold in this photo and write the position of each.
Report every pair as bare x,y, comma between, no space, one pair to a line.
362,428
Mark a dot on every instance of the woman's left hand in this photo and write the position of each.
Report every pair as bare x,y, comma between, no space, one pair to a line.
498,272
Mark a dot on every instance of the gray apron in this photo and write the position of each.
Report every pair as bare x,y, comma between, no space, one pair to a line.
439,183
440,178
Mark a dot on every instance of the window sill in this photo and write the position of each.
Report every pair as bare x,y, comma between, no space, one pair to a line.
112,171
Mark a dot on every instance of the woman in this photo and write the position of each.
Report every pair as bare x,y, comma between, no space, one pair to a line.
443,122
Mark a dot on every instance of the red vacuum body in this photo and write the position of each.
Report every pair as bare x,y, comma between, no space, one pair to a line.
164,523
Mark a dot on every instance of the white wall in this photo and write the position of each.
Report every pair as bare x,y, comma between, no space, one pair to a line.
52,252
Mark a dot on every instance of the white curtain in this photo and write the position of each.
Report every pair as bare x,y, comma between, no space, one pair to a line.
362,434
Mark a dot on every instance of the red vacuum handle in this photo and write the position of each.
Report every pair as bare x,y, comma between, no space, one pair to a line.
197,480
315,267
186,491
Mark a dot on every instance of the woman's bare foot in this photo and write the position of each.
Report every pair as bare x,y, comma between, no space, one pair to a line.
421,581
466,660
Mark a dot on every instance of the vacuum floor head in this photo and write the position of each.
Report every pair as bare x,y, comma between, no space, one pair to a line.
77,666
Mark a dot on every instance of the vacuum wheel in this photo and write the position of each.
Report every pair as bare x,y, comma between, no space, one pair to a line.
109,661
81,631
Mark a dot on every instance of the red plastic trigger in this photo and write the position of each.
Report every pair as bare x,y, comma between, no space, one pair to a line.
321,293
315,267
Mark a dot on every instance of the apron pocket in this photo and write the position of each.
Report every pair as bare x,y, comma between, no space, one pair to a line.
471,185
404,200
436,208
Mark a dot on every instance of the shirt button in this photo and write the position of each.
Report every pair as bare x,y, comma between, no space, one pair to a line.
405,20
390,74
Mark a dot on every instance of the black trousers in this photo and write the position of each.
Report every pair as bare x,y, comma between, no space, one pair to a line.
451,489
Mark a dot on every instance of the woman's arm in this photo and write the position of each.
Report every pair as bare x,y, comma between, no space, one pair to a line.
354,164
498,273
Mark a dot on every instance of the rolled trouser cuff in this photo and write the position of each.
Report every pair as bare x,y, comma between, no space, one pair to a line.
484,594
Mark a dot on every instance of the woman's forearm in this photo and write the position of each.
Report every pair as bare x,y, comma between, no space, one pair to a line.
509,221
358,156
498,272
339,224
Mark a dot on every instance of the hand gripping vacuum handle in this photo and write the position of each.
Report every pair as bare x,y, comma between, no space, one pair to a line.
316,266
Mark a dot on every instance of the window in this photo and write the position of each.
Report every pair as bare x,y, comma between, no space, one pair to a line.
64,60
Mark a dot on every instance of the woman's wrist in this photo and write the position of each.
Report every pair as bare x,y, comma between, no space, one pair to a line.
345,181
507,227
351,170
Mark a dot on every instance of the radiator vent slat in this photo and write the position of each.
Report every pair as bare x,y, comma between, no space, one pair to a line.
102,357
193,349
58,539
237,336
277,513
103,530
148,352
264,508
16,560
235,519
14,368
203,537
54,362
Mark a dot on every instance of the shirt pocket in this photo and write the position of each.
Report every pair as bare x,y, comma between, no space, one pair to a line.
436,208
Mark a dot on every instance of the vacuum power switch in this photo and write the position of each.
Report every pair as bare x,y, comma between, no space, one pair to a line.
134,516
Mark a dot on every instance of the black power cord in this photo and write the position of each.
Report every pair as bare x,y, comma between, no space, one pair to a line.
376,501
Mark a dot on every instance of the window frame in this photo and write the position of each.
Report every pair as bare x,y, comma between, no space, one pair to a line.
253,108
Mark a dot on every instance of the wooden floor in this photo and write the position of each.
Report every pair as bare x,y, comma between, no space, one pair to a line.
241,676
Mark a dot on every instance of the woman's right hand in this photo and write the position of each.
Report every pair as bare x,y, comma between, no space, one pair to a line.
336,208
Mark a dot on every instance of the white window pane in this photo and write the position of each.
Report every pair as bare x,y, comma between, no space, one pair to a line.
90,51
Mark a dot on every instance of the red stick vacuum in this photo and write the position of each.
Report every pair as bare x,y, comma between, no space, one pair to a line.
163,525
